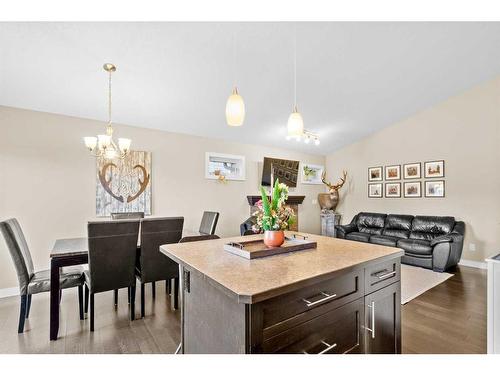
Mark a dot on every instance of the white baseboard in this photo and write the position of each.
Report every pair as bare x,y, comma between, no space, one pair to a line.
9,292
473,263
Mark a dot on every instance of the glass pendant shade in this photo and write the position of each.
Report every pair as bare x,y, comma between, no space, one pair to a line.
104,140
235,109
124,144
295,124
90,142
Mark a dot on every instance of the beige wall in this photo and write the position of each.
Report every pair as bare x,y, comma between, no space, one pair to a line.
47,179
465,132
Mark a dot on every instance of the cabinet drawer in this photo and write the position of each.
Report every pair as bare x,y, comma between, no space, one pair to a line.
335,332
380,275
306,303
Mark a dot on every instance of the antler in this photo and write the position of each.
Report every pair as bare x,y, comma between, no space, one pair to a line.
143,183
336,186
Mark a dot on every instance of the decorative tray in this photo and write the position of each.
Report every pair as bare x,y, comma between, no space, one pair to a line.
256,249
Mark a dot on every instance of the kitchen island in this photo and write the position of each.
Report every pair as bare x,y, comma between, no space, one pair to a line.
341,297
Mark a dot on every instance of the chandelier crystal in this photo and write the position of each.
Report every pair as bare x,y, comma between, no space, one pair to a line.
103,145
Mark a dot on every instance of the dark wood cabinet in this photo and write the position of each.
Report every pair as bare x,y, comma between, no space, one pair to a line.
383,320
337,331
357,310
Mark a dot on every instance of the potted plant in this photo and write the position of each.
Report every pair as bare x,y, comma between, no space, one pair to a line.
273,217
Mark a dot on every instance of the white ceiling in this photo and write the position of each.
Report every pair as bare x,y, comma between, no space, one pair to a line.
352,78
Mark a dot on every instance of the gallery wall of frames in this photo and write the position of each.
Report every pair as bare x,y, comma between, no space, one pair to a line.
387,181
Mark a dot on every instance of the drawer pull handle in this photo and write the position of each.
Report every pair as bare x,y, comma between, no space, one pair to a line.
327,297
386,275
371,306
328,347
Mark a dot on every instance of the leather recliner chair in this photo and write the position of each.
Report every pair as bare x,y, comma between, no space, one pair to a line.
433,242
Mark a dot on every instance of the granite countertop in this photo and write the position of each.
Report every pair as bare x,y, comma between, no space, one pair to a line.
255,280
494,259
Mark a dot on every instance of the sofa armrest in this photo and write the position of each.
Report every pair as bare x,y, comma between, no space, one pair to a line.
441,239
457,235
447,249
342,230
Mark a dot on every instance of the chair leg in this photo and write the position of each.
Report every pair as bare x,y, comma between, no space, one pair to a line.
22,313
60,295
80,301
86,299
128,295
153,289
167,286
142,301
92,312
28,307
132,302
176,293
116,297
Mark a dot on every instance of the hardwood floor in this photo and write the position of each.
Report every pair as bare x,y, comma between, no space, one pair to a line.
450,318
158,332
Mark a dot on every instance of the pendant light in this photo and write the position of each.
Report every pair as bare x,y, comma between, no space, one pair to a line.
103,145
295,124
235,107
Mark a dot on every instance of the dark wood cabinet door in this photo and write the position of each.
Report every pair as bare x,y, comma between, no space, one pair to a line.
383,320
338,331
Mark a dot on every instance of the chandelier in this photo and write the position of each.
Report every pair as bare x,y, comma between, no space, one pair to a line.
103,145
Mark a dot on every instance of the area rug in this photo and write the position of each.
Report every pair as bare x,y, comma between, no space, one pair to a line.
417,280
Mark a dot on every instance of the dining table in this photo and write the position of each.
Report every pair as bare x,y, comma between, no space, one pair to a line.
70,252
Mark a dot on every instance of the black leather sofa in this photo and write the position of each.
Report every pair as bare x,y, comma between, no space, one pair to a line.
433,242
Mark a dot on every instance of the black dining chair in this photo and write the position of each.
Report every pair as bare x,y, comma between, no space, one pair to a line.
127,215
153,265
209,222
31,281
112,256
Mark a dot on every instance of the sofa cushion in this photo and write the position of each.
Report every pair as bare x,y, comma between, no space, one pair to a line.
429,227
384,240
413,246
358,236
398,226
370,223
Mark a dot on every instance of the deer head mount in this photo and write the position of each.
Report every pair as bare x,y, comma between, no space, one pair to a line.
106,183
336,187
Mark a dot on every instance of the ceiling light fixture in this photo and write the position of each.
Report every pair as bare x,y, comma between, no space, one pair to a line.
295,123
235,107
103,145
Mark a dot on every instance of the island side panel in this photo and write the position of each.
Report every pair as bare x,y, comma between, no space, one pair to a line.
213,323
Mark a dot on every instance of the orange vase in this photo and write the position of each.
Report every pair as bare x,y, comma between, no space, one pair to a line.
274,238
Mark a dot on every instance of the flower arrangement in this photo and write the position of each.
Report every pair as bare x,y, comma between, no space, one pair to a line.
273,215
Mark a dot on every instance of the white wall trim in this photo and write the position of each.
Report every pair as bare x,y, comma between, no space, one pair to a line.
9,292
473,263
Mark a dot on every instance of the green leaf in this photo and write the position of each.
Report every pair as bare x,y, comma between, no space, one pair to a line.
276,195
265,202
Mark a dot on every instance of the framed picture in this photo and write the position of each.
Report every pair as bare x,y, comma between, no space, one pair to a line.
413,189
412,171
434,169
393,190
434,189
124,186
375,174
311,174
224,166
375,190
393,172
